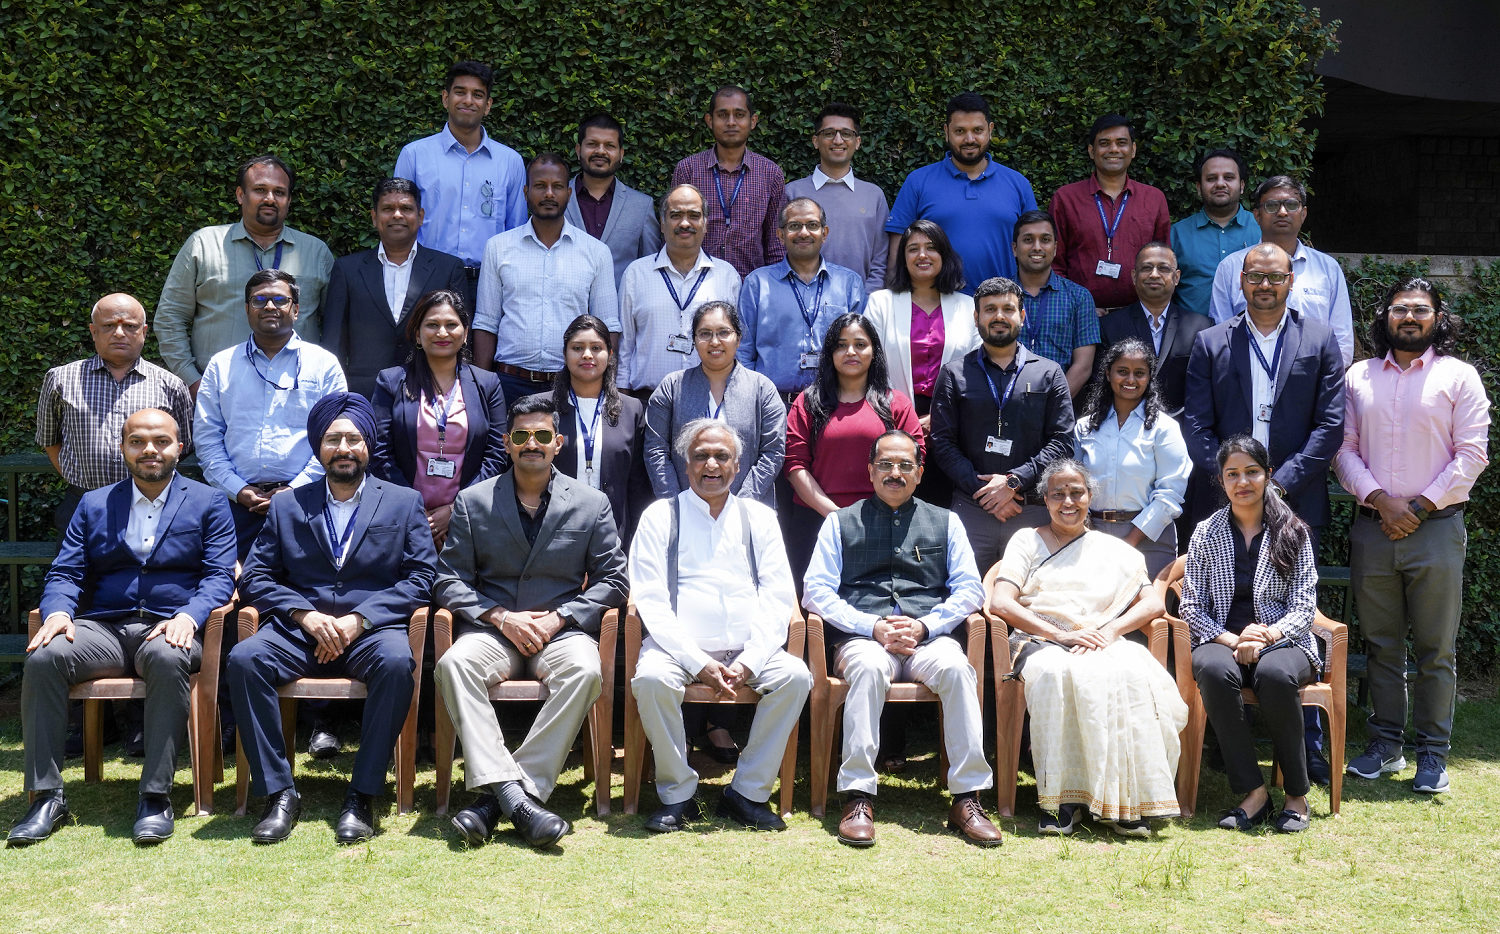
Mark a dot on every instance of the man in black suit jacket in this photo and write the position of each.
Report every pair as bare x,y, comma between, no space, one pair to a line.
337,571
360,323
1157,321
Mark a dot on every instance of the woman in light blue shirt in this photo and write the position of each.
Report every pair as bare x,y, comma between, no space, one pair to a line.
1136,453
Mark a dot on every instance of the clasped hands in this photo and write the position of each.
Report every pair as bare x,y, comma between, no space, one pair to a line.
1251,641
1396,518
527,630
724,679
899,634
1083,641
996,498
333,634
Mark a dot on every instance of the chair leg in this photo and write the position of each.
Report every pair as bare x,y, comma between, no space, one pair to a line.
1337,725
442,742
789,771
822,753
289,730
241,774
635,754
1010,712
1190,758
406,761
93,740
201,721
602,750
942,749
218,742
588,745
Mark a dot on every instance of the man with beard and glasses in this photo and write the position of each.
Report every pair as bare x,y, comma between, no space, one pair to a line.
1416,438
142,565
336,574
1202,240
895,579
999,415
975,199
537,278
607,208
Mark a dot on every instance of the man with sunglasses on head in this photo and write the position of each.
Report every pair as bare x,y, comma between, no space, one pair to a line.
250,424
531,565
856,209
1320,292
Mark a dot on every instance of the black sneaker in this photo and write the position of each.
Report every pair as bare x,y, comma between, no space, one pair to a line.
1378,758
1063,823
1432,774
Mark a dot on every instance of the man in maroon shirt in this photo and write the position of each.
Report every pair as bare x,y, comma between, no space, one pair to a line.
1105,219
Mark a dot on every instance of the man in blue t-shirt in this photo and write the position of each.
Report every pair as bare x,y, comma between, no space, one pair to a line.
975,199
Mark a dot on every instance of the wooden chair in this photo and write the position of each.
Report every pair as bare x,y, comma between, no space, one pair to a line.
203,716
636,745
338,689
1010,696
829,693
598,725
1330,692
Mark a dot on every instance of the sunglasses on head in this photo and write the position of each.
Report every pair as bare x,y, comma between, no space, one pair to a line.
520,436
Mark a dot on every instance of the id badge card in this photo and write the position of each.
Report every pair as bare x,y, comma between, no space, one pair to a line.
994,445
680,343
1263,414
808,361
1112,270
440,467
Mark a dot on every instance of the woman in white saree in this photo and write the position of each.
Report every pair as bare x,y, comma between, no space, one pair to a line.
1104,713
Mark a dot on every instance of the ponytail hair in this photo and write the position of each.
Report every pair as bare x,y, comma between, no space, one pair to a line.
1285,532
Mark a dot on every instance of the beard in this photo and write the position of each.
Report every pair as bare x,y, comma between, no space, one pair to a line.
1416,344
153,474
345,471
1000,340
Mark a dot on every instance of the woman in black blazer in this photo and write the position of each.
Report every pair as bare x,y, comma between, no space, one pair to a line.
413,402
614,425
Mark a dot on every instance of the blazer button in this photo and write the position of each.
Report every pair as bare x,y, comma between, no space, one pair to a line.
896,551
897,521
525,577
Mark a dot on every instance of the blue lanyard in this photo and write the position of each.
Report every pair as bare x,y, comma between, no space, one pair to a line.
442,415
1001,400
341,549
817,303
1109,229
589,432
250,355
726,207
672,290
1275,363
275,263
715,413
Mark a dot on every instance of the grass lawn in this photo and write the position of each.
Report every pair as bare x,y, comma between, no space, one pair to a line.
1393,861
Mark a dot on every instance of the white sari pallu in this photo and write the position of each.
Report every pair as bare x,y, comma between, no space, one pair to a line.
1104,724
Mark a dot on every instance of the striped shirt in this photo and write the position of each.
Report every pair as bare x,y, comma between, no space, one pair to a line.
83,408
748,238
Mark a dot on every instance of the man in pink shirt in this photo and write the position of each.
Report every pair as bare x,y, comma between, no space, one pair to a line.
1416,430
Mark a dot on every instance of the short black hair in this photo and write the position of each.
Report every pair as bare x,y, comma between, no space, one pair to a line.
548,158
1202,160
895,433
1033,216
996,285
1109,122
969,102
837,109
267,276
1279,181
539,404
387,186
950,278
471,69
601,122
265,158
731,89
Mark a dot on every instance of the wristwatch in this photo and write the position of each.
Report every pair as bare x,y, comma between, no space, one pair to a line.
1012,481
1418,510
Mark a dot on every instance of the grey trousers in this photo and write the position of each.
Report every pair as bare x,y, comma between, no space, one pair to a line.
106,650
1158,554
1412,586
941,665
569,667
988,536
783,685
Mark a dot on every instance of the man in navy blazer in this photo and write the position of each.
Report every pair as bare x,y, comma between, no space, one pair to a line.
1159,321
336,573
141,566
371,293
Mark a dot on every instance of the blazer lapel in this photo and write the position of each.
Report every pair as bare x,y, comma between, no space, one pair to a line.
1239,356
315,518
504,506
421,271
1289,348
118,511
179,492
616,205
566,460
555,509
1169,330
375,282
369,504
1140,323
901,317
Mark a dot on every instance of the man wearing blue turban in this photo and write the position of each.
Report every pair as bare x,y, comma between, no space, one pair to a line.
336,574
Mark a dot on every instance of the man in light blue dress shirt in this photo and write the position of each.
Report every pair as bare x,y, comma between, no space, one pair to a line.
1202,240
471,185
787,307
250,426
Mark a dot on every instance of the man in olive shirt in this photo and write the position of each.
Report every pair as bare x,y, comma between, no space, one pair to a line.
202,306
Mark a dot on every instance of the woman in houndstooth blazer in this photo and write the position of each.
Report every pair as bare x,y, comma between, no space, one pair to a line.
1249,594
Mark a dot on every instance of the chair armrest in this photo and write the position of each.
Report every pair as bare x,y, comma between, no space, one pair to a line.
999,632
442,632
1158,633
249,622
213,637
796,634
633,640
817,649
1335,639
609,637
979,630
1182,646
416,631
33,623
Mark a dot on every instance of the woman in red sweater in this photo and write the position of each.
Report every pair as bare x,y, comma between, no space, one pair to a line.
830,428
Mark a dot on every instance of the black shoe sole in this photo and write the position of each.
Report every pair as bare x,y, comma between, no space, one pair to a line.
268,841
857,844
350,841
470,834
150,839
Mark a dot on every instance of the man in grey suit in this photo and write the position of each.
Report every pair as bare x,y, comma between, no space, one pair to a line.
531,564
605,207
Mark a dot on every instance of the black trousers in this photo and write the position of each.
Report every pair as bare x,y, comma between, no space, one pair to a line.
1275,679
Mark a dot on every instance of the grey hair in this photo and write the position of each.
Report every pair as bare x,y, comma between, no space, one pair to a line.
822,214
661,204
690,432
1067,465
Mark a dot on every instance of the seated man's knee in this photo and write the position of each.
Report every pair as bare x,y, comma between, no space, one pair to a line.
860,668
392,664
158,658
652,683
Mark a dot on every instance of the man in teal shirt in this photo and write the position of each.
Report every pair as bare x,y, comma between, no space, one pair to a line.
1222,227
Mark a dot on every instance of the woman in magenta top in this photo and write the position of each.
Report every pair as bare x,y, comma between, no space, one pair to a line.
831,426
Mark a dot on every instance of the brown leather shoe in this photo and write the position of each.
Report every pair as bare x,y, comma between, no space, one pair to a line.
967,817
857,825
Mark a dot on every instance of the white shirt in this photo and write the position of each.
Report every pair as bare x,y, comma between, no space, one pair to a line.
649,317
397,278
1318,291
145,515
719,608
1158,325
825,573
1138,470
343,513
585,419
1261,387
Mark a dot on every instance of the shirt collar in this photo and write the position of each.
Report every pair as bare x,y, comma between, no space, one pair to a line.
380,254
353,500
96,362
449,141
1240,219
1099,189
137,497
663,261
530,231
237,231
1425,360
989,168
783,270
1151,321
294,345
906,508
582,191
820,178
701,505
1254,332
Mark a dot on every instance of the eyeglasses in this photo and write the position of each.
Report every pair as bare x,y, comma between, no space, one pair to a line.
487,206
838,134
1261,278
352,438
1415,312
1165,269
723,334
1292,206
892,466
795,227
520,436
261,301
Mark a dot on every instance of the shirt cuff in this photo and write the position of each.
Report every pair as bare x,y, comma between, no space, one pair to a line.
1154,519
1364,488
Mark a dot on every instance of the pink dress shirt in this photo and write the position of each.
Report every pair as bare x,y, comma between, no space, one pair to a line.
927,336
1423,431
440,491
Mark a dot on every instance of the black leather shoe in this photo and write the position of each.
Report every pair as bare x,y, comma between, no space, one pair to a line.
226,742
154,820
357,820
47,813
282,810
752,814
537,825
673,817
477,821
726,755
135,741
1317,768
324,743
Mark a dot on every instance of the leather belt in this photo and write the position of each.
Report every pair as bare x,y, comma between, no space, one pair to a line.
270,486
471,272
1114,515
1034,499
535,376
1443,513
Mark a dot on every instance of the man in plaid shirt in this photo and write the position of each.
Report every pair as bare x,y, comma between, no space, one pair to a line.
1061,323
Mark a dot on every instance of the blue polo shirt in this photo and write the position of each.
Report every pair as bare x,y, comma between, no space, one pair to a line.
776,330
1200,244
978,215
